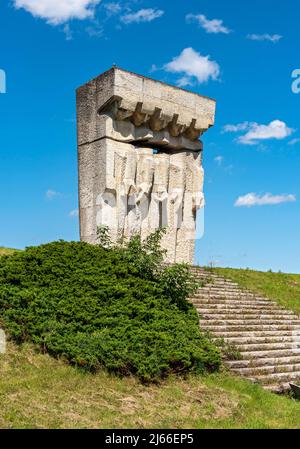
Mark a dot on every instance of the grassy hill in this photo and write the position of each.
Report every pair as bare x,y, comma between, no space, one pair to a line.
280,287
37,391
6,251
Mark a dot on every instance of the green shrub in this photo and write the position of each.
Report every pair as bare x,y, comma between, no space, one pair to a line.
145,257
95,307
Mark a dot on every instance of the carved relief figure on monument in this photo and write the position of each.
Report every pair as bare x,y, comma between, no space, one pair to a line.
126,173
144,181
159,199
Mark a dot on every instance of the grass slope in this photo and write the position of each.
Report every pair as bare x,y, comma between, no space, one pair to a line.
6,251
280,287
37,391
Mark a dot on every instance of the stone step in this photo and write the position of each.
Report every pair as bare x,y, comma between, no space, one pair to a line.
211,279
230,318
228,291
215,282
261,340
257,333
255,321
267,361
278,388
265,370
244,313
225,295
266,379
246,355
214,279
220,286
224,301
233,297
222,289
248,308
242,304
245,328
267,346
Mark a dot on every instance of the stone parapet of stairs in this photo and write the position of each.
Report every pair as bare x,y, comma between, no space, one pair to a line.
264,335
2,342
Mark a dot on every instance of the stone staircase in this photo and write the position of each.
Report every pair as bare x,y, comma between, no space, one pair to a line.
261,338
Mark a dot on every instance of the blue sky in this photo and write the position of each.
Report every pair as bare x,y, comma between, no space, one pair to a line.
240,53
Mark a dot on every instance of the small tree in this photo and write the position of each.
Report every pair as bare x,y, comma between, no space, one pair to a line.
103,237
146,259
178,284
146,256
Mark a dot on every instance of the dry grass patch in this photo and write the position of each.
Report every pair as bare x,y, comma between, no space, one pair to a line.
37,391
6,251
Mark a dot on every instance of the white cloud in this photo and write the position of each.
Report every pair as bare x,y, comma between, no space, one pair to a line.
193,65
236,128
68,32
184,81
294,141
265,37
252,199
74,213
219,160
113,8
214,26
274,130
229,168
58,11
143,15
154,68
95,29
51,194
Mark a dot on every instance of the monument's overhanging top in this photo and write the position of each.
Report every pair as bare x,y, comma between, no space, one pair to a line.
149,105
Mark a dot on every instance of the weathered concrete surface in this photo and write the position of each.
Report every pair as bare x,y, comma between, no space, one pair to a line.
2,342
139,158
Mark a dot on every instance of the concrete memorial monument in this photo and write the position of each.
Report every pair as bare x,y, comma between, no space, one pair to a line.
140,159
